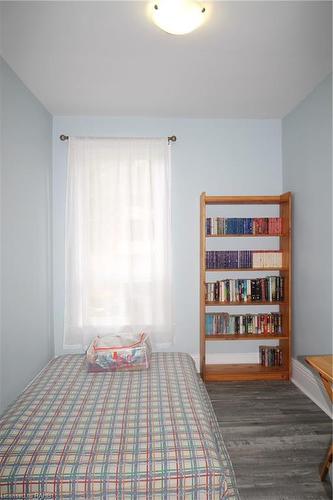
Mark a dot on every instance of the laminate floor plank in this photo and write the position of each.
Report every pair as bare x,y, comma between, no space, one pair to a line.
252,431
276,438
284,493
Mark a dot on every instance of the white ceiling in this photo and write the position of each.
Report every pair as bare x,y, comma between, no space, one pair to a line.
249,60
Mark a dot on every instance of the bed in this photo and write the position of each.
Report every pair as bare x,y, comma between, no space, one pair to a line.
146,434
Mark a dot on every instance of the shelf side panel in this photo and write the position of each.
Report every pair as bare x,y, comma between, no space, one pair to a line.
285,246
202,283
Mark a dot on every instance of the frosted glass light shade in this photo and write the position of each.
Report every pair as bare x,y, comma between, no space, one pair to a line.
178,17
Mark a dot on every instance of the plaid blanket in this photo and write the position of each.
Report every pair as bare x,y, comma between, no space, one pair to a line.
149,434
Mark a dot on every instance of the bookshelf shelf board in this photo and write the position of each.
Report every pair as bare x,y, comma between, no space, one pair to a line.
247,269
245,235
242,371
237,336
248,303
243,200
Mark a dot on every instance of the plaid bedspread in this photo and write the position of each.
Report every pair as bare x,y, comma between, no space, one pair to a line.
149,434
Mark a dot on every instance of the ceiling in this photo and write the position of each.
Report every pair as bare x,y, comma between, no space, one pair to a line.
249,60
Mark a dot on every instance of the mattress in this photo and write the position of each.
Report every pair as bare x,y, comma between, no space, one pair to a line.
146,434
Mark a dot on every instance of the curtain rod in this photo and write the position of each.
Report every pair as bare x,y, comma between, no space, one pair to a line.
171,138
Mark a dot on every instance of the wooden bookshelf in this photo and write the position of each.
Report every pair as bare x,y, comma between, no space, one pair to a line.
252,371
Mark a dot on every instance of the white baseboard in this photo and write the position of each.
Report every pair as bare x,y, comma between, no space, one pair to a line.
311,385
225,357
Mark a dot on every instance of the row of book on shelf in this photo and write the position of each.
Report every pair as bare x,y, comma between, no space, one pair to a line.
243,324
268,289
243,259
270,356
216,226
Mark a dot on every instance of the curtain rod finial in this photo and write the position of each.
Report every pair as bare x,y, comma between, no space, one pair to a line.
172,138
63,137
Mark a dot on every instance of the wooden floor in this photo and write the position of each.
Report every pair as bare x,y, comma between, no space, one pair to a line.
276,438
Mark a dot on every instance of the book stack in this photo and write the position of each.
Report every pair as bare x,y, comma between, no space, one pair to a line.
268,289
266,259
243,259
217,323
219,226
270,356
243,324
228,259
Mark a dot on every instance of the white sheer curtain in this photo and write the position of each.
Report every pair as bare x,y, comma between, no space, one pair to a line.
117,275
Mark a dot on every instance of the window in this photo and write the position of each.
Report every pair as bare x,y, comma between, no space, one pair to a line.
117,239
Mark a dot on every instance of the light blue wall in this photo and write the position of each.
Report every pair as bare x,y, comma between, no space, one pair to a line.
26,133
307,171
216,156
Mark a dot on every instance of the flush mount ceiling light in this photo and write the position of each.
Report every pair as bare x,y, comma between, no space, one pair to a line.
178,17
